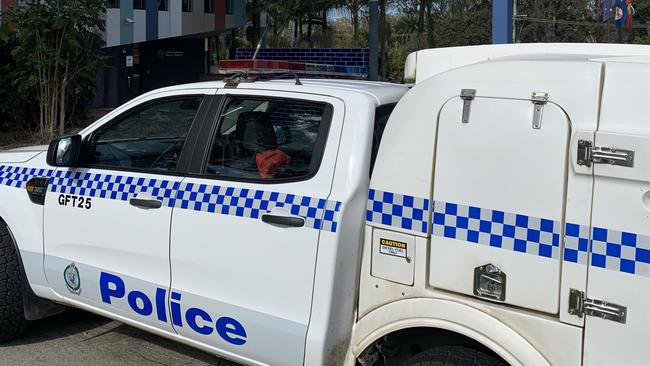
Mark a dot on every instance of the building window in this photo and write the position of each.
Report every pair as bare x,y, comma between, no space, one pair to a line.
139,4
163,5
114,4
228,6
208,6
188,6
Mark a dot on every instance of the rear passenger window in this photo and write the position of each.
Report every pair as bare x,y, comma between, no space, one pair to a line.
269,139
382,113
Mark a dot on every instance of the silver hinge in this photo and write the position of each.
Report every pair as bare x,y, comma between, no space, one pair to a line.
467,95
579,305
589,154
539,101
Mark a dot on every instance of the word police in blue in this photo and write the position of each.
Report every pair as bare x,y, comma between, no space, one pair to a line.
229,329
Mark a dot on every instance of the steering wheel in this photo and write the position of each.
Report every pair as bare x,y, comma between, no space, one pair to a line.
169,158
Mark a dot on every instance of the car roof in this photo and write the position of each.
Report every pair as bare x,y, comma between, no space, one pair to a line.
381,92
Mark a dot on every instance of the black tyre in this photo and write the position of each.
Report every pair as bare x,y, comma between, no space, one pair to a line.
12,317
453,356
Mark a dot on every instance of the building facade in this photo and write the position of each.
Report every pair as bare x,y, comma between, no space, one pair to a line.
4,4
136,21
156,43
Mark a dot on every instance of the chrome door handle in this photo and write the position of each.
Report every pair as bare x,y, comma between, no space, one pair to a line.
145,203
283,220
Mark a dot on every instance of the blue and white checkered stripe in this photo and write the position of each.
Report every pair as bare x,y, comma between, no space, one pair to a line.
318,213
620,251
111,186
576,243
398,210
498,229
17,177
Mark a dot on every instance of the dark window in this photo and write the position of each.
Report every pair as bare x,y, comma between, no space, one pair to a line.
208,6
139,4
149,137
228,6
188,6
113,4
382,113
163,5
269,139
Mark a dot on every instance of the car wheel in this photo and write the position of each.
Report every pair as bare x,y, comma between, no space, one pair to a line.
452,356
12,317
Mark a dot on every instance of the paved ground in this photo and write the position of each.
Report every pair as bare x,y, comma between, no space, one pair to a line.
80,338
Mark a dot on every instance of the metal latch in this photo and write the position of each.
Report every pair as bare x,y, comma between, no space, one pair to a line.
490,282
467,95
589,154
539,101
579,305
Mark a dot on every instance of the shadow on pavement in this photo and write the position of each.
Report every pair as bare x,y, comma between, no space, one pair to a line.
100,340
68,323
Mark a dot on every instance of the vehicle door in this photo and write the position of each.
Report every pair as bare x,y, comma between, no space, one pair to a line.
107,222
498,200
246,227
617,316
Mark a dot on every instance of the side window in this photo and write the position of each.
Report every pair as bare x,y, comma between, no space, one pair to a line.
269,139
382,113
149,137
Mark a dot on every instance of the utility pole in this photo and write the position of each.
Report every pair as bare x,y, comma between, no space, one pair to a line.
502,21
373,69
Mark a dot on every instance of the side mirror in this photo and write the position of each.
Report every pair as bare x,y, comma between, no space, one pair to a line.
64,151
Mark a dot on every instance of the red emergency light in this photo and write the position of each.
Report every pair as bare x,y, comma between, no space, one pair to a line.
276,67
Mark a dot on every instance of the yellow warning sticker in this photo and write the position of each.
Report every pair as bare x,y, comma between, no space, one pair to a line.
392,247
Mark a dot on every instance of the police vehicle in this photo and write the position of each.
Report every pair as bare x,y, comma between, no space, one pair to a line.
497,212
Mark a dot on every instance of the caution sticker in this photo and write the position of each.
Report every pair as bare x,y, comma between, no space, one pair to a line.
392,247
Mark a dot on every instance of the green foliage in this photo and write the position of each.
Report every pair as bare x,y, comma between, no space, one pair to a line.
56,50
18,107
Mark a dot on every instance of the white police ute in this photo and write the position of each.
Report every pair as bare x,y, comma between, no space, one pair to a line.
497,212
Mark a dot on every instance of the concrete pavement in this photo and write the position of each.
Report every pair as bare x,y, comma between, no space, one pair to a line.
79,338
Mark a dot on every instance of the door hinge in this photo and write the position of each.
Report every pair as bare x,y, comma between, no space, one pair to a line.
589,154
539,101
580,305
467,95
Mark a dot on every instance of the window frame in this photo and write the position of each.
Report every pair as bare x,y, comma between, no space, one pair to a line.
200,161
186,151
190,6
208,6
139,5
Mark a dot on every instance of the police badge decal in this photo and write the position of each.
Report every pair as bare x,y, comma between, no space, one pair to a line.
72,278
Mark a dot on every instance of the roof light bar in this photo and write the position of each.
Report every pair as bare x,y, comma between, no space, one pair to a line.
274,67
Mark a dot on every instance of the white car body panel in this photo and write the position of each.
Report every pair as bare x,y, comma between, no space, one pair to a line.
317,296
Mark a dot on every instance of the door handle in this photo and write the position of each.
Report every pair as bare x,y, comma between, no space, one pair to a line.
145,203
283,220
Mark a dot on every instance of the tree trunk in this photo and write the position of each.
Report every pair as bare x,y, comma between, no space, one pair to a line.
430,34
355,25
421,23
62,99
62,111
382,40
295,32
309,28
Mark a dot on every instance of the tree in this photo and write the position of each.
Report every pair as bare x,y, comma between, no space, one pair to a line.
57,52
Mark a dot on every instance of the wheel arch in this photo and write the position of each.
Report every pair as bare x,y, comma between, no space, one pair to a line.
444,316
